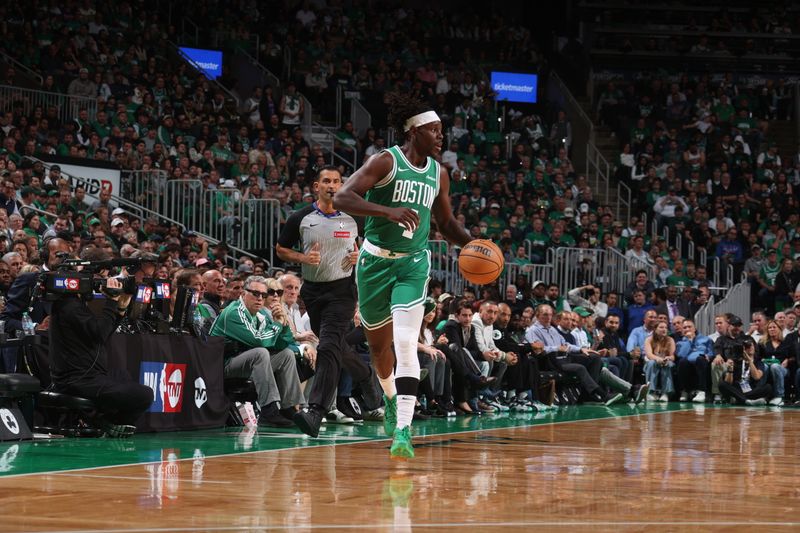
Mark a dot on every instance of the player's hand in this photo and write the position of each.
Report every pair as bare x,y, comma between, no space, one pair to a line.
404,216
350,259
313,257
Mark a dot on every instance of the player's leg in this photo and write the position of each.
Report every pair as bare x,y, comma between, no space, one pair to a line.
408,299
375,280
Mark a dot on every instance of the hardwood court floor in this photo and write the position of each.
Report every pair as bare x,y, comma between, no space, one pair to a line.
657,469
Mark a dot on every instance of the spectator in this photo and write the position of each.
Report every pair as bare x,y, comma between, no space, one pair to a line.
567,357
745,379
249,336
777,356
726,348
659,351
694,352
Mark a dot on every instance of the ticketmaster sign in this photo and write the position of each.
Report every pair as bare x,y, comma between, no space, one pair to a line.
513,87
209,62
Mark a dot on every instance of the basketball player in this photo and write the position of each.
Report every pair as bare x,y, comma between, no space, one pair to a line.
397,190
328,239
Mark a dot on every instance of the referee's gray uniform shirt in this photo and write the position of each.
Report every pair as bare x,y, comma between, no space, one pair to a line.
336,234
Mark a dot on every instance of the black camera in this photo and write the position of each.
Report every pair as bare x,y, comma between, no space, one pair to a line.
67,280
736,353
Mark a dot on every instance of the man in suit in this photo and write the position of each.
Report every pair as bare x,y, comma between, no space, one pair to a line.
673,306
464,348
18,300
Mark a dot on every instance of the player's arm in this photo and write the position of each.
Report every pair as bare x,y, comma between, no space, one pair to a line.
443,213
350,198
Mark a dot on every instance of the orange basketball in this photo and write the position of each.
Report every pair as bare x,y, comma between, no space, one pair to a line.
481,261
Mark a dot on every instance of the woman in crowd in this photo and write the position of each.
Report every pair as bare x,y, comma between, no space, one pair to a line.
659,352
775,352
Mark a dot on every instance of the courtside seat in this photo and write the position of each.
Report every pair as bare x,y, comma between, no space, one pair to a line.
239,390
18,390
57,400
66,415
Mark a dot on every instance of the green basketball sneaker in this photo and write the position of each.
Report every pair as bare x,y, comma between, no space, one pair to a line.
401,446
389,415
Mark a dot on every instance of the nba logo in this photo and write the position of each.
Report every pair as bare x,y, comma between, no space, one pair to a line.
167,382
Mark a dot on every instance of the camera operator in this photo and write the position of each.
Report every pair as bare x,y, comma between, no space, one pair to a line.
78,361
726,347
18,300
745,377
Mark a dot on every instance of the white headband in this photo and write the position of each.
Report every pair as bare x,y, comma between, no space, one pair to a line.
420,120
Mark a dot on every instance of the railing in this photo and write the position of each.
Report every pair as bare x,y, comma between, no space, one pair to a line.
182,210
625,200
183,201
67,106
261,223
360,117
223,38
23,67
737,301
131,207
531,272
145,187
597,171
307,121
329,145
582,126
443,264
266,74
574,267
186,22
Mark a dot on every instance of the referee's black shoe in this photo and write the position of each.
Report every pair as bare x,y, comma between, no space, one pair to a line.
309,420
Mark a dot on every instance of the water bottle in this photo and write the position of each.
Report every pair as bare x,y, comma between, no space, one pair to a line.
28,325
198,320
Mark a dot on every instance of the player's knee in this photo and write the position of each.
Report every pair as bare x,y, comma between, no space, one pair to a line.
405,339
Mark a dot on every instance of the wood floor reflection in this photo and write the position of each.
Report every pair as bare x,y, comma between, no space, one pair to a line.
687,470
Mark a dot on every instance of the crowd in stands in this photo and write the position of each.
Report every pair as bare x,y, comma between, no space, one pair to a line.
721,33
697,154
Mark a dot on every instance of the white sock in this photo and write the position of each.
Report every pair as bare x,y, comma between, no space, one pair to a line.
387,384
406,326
405,409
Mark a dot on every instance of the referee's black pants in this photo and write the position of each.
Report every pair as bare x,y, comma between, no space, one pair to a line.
330,306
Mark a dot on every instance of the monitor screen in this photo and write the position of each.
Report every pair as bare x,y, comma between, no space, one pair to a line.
209,62
515,87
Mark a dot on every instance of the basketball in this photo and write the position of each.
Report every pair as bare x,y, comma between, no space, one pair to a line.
481,261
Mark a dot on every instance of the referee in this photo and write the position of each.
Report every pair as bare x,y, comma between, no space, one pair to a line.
328,240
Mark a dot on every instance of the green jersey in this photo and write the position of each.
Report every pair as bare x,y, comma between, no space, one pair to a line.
405,186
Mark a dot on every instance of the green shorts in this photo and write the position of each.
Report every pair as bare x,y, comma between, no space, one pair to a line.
386,285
